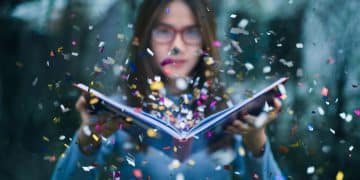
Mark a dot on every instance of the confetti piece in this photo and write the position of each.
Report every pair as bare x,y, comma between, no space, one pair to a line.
109,61
60,49
98,128
233,16
249,66
351,148
321,111
151,132
289,64
156,86
175,149
95,137
346,117
94,101
73,43
150,52
191,162
130,160
75,54
56,120
86,130
91,27
62,137
266,69
324,91
241,151
216,43
332,131
339,175
35,81
64,109
52,53
46,139
310,170
137,173
310,127
67,146
243,23
181,84
357,112
88,168
209,60
174,164
299,45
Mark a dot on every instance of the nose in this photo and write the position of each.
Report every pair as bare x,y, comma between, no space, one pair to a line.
179,44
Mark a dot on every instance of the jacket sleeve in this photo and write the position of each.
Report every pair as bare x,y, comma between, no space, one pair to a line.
251,167
73,164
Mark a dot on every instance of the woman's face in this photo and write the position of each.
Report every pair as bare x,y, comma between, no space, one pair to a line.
176,41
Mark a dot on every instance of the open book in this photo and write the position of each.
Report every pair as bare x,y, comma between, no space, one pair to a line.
143,121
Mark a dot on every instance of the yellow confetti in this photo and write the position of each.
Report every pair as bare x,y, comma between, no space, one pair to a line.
161,108
50,86
156,85
191,162
95,137
209,60
241,151
151,132
46,139
128,119
174,164
175,149
60,49
56,120
67,146
62,155
339,175
295,145
94,101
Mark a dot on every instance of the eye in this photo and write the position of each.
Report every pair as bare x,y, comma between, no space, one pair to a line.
162,31
193,32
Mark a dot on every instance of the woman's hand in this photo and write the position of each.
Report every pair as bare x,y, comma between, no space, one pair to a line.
93,127
252,128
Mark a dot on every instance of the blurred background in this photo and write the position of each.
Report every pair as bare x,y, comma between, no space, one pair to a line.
47,44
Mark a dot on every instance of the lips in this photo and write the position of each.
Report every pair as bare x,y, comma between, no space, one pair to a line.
173,62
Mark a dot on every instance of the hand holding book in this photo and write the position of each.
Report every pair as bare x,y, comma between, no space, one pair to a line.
94,125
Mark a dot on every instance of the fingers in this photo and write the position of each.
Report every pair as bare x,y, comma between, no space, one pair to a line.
239,127
81,104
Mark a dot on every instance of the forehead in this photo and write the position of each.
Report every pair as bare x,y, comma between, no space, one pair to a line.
178,15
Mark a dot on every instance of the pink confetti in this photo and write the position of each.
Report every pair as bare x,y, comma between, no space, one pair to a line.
138,110
213,104
198,102
137,173
357,112
98,128
216,43
73,43
209,134
52,53
324,91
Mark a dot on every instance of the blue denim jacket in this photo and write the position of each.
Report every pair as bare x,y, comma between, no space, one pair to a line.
154,163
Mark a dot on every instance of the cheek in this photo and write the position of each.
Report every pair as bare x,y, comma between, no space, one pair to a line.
160,52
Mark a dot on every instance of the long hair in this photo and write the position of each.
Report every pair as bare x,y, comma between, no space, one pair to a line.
141,66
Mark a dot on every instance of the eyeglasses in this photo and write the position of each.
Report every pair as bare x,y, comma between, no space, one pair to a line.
165,34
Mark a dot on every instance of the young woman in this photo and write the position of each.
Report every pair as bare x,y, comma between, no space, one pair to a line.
172,58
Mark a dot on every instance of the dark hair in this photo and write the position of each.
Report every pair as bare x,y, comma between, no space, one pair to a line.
141,67
140,64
